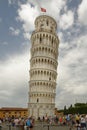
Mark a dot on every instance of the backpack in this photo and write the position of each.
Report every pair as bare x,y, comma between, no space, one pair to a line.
28,123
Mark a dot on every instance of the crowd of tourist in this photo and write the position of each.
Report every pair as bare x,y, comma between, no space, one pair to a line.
75,121
23,123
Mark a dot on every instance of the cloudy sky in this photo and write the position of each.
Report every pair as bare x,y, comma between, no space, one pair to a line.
16,25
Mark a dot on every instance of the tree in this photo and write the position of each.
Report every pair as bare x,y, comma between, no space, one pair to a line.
65,110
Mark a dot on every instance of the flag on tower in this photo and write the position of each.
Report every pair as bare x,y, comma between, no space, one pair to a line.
43,10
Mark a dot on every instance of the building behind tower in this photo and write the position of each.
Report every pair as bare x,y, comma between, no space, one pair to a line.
43,67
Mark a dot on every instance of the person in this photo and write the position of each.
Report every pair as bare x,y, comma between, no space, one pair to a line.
0,121
16,121
60,120
0,124
78,119
32,123
83,122
29,123
86,120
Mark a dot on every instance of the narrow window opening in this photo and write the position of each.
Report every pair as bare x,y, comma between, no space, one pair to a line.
49,78
47,23
37,100
40,39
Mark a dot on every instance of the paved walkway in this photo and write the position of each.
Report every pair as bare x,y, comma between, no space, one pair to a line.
39,127
52,128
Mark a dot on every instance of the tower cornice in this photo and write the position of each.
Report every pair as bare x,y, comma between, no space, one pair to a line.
46,16
45,31
44,58
43,69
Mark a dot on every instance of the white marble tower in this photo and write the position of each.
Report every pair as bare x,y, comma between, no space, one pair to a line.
43,67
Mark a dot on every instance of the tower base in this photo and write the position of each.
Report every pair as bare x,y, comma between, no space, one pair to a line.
41,110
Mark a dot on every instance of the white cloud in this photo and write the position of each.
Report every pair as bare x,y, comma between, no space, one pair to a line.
27,35
14,79
11,2
82,12
4,43
72,76
27,15
66,20
54,7
14,32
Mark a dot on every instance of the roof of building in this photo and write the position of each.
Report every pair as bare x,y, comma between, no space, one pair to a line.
13,108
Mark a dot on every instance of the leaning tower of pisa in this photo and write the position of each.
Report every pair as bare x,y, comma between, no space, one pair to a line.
43,67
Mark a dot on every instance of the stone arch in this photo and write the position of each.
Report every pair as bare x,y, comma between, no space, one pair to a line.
37,83
47,22
36,60
38,72
41,72
42,49
42,60
44,72
47,38
50,73
39,60
46,49
52,41
40,38
43,83
51,62
47,73
48,60
45,61
50,37
39,48
43,35
51,50
46,83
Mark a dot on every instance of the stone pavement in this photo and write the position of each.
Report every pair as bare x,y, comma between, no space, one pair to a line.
39,127
49,127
